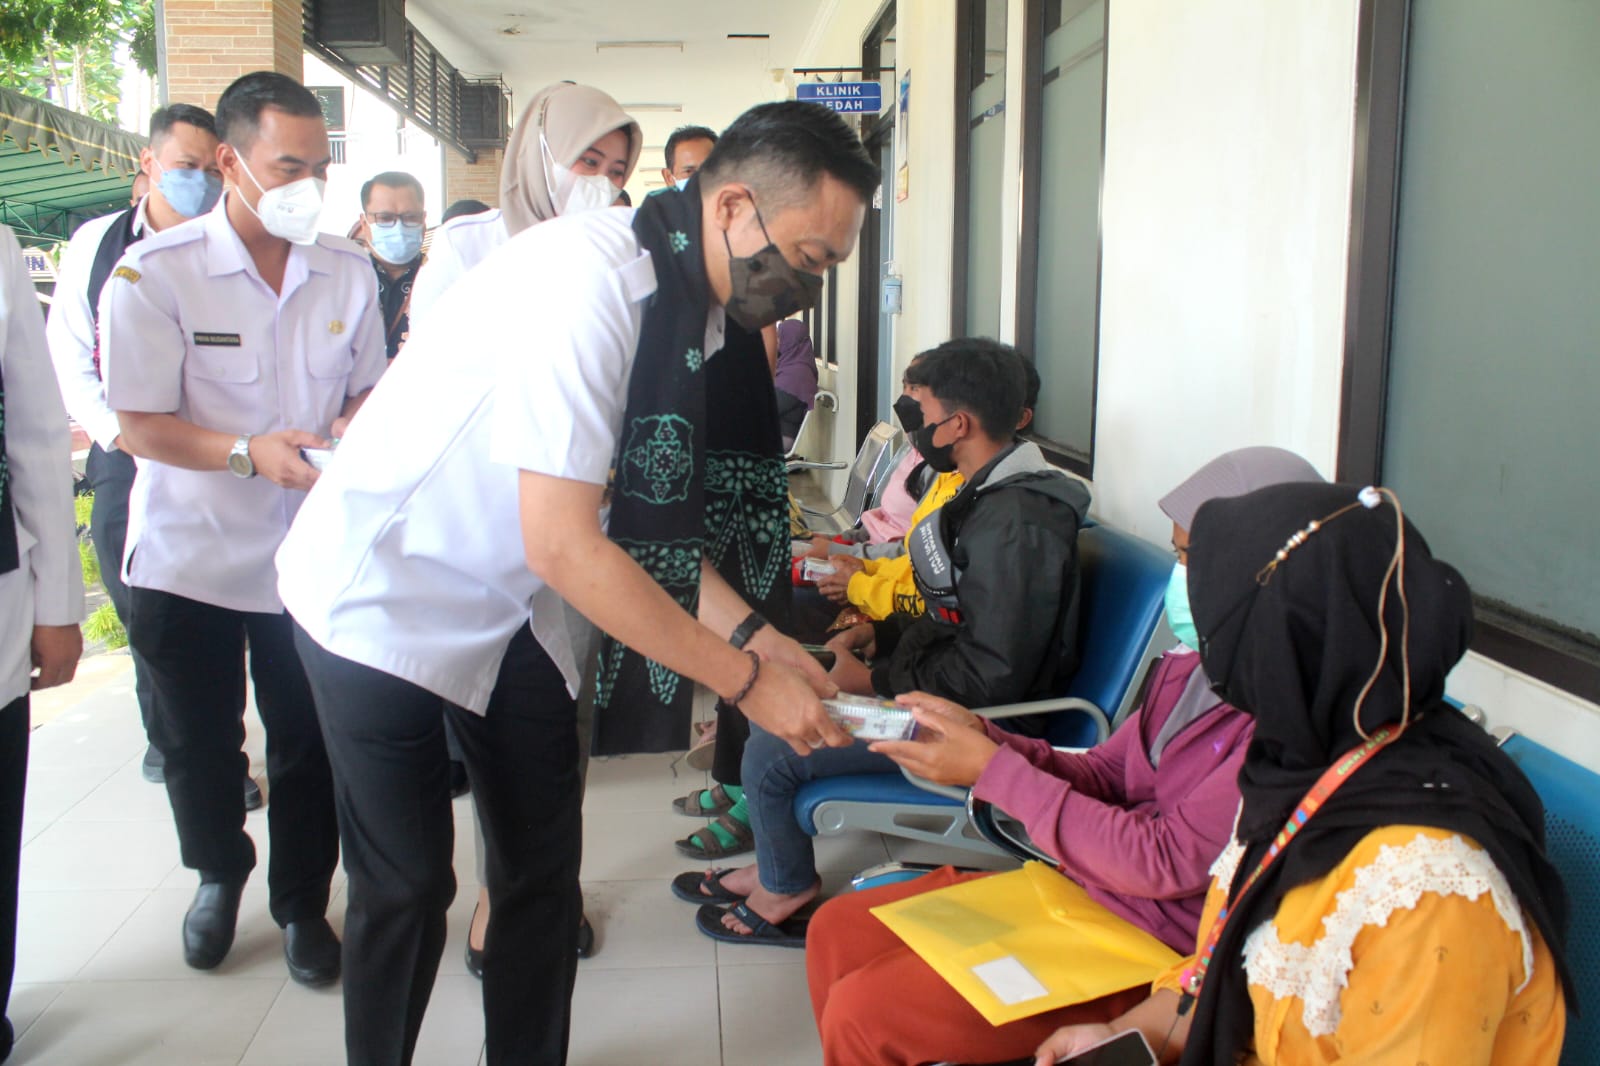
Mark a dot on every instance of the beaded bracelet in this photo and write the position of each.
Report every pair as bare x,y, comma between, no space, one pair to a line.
749,682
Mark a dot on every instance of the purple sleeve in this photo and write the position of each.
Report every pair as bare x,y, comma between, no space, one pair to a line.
1145,851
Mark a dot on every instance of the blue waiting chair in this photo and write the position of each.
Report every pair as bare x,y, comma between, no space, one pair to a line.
1121,629
1571,796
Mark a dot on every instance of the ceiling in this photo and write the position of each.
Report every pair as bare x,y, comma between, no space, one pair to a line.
695,67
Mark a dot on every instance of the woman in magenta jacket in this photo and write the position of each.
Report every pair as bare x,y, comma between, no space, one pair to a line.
1137,820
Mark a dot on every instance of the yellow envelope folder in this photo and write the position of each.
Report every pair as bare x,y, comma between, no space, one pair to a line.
1021,943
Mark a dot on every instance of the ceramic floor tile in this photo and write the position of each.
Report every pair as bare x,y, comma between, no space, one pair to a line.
638,783
640,925
452,1030
28,1001
99,855
664,1017
124,796
148,1023
637,846
53,791
148,946
304,1027
87,738
766,1017
59,931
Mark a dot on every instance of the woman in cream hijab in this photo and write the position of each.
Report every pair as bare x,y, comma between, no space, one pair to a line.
572,150
571,143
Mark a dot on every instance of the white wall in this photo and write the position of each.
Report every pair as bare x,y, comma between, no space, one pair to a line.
1225,216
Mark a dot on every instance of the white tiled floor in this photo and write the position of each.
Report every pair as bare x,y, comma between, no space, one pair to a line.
100,979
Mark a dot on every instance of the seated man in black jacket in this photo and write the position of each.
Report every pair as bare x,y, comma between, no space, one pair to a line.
998,569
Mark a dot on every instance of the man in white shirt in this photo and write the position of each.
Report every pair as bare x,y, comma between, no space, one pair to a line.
471,488
41,583
183,182
229,346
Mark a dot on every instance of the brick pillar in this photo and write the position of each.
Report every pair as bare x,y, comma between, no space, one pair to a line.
212,42
473,181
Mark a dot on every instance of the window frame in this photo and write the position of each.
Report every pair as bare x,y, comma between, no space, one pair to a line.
1031,180
1531,645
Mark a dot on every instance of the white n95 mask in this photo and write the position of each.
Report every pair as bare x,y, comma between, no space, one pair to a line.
572,194
289,211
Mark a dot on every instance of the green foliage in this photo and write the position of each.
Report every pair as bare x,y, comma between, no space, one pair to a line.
91,563
65,51
104,627
82,507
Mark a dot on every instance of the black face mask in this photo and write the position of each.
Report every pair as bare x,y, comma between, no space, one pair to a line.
764,288
909,412
940,457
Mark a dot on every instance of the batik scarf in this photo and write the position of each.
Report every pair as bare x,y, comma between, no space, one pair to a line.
699,474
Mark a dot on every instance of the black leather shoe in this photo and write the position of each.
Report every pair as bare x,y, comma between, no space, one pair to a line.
585,937
208,927
154,767
312,952
252,794
7,1037
474,955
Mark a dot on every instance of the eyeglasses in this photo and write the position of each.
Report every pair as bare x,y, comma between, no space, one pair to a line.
389,218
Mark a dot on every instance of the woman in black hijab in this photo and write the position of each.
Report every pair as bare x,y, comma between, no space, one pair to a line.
1411,915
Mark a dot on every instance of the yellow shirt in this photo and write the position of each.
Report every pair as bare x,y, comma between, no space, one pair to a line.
1411,952
884,586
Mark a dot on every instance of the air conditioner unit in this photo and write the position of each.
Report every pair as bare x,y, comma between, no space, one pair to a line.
485,114
362,31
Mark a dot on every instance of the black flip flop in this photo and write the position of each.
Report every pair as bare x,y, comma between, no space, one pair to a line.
687,887
786,934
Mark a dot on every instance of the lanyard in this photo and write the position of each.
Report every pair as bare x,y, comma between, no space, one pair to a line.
1334,776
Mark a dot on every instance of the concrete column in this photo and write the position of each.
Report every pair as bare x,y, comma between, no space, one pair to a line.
473,181
212,42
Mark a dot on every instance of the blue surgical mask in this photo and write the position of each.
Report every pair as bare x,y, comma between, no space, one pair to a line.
397,243
1179,618
190,192
681,184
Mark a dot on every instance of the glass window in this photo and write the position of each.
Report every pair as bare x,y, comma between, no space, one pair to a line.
1066,285
986,105
1489,431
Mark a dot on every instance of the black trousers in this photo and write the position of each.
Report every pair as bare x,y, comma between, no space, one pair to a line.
13,782
110,475
194,653
386,740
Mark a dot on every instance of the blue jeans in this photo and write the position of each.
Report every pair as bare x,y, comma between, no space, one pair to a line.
773,773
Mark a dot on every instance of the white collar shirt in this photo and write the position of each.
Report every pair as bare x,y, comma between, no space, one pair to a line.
189,327
46,588
407,556
71,329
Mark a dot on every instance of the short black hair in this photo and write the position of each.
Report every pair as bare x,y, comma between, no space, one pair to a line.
688,133
165,118
240,106
1031,383
391,179
465,207
781,150
979,376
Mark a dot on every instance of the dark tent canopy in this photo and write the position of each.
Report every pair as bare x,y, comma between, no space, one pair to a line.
59,168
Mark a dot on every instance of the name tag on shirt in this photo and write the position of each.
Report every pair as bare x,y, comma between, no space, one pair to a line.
217,340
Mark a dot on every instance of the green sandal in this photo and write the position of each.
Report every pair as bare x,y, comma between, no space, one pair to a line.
692,805
705,844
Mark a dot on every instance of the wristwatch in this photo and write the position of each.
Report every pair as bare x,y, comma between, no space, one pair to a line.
239,459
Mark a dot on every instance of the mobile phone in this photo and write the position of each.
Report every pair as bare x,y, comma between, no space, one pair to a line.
1127,1048
824,656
